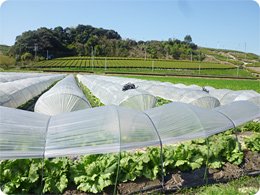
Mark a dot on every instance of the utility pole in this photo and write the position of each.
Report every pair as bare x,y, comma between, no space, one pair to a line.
191,56
145,54
92,58
47,55
199,67
105,64
144,49
152,65
199,63
35,49
245,50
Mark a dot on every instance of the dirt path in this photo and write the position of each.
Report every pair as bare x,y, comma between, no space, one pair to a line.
209,58
252,68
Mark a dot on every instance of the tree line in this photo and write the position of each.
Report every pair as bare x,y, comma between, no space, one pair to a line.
85,40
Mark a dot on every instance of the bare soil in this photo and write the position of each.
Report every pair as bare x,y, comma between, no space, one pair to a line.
209,58
255,69
176,179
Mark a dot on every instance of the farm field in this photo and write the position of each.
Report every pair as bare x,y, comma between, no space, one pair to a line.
146,101
203,73
128,63
255,64
216,83
184,163
137,65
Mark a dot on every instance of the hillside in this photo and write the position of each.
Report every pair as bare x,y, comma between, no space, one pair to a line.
85,40
4,49
221,55
249,60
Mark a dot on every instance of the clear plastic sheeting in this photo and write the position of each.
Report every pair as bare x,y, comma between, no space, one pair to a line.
239,112
22,133
249,95
16,93
113,128
192,94
14,76
218,93
207,97
65,96
209,88
111,93
99,130
200,98
178,121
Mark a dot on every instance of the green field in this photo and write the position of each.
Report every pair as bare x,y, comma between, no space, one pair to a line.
216,83
253,64
67,173
212,73
4,49
6,62
80,62
238,54
137,65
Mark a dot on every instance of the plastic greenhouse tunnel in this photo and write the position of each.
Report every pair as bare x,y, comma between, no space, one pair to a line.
249,95
64,96
218,93
13,76
207,97
192,94
113,128
112,93
16,93
108,129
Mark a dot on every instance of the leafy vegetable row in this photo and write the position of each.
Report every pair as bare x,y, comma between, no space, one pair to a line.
92,173
162,101
95,102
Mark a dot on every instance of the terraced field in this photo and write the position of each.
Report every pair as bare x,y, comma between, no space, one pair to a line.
86,62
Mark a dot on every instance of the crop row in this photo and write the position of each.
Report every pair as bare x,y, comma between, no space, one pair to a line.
130,64
216,83
92,173
254,64
222,58
119,58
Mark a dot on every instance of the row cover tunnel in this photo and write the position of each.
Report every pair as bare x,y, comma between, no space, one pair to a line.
62,124
111,93
66,96
17,89
113,128
207,97
139,111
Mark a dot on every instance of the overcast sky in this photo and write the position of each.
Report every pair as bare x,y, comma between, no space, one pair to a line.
223,24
